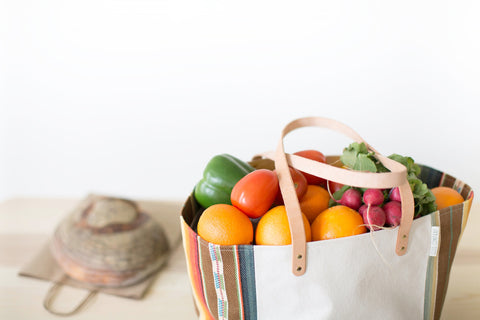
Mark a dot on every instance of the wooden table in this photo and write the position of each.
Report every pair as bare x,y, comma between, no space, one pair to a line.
25,226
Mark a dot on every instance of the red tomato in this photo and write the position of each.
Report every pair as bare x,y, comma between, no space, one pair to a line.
254,193
317,156
300,183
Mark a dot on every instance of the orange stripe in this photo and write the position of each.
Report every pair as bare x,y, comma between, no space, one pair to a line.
190,245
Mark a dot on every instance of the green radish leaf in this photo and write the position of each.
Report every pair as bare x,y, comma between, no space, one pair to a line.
364,163
357,157
337,195
349,157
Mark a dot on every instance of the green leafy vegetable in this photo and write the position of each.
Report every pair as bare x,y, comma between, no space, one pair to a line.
357,157
413,169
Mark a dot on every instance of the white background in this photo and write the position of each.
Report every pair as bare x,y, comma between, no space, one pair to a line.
134,97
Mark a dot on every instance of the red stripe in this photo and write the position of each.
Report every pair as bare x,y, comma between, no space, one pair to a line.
239,281
193,265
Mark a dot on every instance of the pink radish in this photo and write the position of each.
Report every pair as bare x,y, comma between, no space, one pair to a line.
393,212
374,216
351,198
395,194
373,197
362,209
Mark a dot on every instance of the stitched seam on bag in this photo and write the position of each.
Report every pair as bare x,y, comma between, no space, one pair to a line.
227,248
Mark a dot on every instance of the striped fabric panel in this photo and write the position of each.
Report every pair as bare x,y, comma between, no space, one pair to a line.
219,281
430,176
450,230
222,278
206,271
452,222
247,274
434,178
232,281
190,245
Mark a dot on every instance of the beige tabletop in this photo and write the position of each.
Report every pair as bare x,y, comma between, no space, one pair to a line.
25,226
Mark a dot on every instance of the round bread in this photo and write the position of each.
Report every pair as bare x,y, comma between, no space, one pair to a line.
109,242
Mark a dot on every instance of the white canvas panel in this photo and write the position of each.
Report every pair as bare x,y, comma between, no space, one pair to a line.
346,278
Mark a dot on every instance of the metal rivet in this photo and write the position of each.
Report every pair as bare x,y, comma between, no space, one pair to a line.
299,256
403,248
299,268
404,236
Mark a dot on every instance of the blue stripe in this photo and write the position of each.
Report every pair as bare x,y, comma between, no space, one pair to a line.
218,280
247,276
431,177
214,258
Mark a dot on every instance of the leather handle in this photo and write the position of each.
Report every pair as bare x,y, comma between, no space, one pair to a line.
396,177
52,293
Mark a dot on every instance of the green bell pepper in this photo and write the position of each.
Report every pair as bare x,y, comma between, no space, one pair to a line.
219,177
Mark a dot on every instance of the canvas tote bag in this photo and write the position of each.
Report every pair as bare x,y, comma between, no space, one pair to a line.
398,273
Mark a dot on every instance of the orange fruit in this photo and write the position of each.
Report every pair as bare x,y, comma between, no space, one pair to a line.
336,222
225,225
273,228
314,201
446,197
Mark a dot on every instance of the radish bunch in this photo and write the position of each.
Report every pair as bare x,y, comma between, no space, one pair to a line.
376,208
359,157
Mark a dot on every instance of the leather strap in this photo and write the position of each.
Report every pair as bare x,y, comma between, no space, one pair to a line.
396,177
